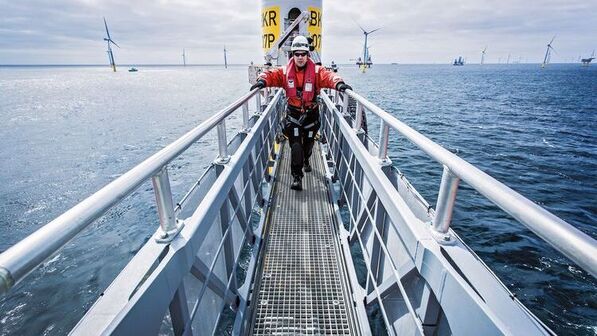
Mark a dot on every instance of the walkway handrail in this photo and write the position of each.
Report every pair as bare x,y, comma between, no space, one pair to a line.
26,255
567,239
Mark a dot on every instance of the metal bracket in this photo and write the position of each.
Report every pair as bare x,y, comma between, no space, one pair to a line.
445,239
167,237
222,160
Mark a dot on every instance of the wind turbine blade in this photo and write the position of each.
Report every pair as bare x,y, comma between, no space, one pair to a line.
374,30
115,43
355,21
554,37
363,29
107,32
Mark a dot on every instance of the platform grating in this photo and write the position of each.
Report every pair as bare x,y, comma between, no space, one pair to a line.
301,290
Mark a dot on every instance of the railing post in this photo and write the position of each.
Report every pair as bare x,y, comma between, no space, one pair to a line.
246,126
345,104
358,118
445,203
336,97
258,102
222,143
163,197
384,134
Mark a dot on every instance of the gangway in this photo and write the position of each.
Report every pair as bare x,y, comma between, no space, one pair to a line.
241,253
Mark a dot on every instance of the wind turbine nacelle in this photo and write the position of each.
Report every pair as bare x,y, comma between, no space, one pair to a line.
277,15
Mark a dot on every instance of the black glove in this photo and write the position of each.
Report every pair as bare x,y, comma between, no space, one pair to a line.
341,86
259,85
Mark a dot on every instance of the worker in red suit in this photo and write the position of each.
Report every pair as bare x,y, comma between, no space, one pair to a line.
302,80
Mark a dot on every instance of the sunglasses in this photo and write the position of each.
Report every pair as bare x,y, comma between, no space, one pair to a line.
300,54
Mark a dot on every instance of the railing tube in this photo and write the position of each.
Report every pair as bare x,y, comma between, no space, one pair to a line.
222,143
570,241
445,201
384,133
17,261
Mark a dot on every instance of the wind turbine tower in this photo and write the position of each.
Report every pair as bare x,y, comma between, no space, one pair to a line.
366,56
548,53
184,57
225,60
483,55
109,40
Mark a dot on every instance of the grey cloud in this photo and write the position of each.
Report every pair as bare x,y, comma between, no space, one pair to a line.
156,31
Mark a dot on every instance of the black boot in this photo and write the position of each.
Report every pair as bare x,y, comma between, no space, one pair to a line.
296,183
307,167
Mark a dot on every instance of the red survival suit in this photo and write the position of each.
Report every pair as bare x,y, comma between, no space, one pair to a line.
302,87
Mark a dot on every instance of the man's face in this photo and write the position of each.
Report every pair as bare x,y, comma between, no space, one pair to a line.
300,58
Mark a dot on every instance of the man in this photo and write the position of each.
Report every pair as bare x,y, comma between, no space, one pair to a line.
302,80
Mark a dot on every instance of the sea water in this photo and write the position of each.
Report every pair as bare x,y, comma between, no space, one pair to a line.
68,131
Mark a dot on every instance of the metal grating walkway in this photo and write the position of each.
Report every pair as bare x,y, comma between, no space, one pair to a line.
302,288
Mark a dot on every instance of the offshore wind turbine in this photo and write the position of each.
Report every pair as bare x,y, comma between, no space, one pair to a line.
483,55
225,60
548,53
184,57
365,48
109,40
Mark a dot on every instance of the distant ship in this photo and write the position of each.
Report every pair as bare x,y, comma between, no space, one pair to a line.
458,61
587,61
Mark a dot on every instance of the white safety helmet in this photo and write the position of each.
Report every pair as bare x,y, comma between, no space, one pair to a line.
299,43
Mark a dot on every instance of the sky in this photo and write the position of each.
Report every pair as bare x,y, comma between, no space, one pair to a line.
422,31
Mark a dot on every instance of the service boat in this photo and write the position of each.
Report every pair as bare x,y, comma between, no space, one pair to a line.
242,249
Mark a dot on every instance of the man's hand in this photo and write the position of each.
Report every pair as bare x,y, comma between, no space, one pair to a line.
259,85
341,86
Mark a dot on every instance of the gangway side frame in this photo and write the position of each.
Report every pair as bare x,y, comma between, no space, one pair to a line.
441,284
195,277
191,263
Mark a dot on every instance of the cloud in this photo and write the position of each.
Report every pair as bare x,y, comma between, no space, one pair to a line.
155,31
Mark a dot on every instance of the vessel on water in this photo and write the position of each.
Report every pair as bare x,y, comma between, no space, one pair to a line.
588,60
458,61
133,69
241,248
